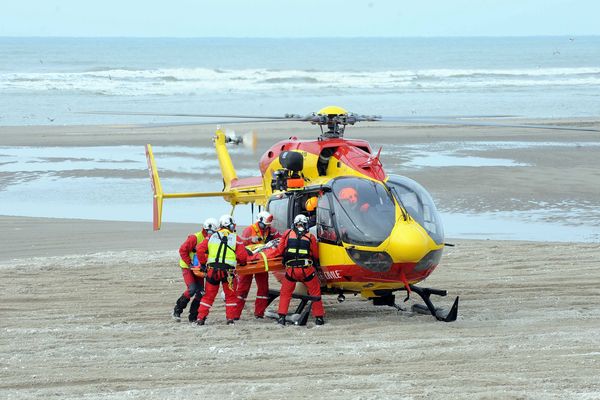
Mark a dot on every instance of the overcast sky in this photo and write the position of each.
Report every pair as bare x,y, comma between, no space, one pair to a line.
305,18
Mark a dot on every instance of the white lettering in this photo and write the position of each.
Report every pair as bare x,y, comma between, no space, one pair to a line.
333,274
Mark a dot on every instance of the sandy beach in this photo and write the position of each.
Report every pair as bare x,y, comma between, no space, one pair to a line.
85,304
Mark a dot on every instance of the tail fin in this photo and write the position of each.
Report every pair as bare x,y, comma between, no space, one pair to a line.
156,189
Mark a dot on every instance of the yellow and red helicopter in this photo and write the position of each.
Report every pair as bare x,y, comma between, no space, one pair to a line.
382,236
377,233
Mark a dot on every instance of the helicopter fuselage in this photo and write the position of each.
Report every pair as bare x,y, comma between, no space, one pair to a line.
376,244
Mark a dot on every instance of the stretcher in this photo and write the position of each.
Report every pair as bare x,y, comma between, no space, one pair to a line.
262,261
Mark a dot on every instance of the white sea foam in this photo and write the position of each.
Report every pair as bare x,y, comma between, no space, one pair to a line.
174,81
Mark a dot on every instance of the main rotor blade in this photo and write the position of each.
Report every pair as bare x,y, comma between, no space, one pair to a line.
450,117
169,124
292,117
441,121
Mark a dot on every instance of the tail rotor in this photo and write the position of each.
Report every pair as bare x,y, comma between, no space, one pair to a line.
248,140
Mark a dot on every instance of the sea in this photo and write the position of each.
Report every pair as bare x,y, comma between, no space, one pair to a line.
52,80
59,81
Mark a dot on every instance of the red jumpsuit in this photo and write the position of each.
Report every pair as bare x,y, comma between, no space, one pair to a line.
253,235
189,246
194,285
304,274
214,278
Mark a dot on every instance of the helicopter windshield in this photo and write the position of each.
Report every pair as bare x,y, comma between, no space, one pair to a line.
364,211
419,204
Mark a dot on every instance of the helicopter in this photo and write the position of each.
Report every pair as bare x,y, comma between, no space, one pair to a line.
377,233
391,241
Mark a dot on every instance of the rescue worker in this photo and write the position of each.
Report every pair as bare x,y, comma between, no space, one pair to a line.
349,197
194,284
260,232
310,205
300,256
221,252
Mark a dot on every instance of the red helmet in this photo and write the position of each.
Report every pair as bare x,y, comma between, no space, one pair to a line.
349,194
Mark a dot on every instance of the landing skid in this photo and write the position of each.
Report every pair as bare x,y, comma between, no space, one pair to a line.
302,312
440,314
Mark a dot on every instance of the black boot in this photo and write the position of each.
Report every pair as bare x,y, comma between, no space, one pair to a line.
194,309
281,320
319,321
200,321
180,305
230,322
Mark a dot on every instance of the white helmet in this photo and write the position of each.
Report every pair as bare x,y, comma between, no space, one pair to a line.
226,221
264,217
301,220
211,225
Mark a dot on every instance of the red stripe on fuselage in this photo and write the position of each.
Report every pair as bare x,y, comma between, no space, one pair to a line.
355,273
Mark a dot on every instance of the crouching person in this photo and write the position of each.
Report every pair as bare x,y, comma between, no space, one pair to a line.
300,255
221,252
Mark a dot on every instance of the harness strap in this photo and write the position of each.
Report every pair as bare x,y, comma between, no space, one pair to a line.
300,263
309,277
219,275
224,243
258,232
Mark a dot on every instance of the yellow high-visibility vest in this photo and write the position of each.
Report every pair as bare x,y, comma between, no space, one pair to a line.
222,251
199,239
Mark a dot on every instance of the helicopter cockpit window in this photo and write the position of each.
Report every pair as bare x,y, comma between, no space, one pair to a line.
419,204
364,211
279,209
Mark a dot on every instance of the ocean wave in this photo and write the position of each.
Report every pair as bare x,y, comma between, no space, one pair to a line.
178,81
292,79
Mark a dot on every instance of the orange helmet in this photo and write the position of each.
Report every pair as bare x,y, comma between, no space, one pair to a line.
349,194
311,204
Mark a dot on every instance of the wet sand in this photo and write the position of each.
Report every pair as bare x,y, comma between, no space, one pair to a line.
84,305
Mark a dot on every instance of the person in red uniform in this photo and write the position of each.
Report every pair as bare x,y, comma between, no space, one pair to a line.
300,255
349,197
221,253
194,284
258,233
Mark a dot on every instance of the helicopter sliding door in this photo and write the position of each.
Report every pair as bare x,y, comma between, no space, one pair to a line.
419,204
285,207
326,231
278,206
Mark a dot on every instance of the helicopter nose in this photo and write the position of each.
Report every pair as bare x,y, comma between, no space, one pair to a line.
408,243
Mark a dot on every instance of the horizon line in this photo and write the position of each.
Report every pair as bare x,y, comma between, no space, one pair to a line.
293,37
